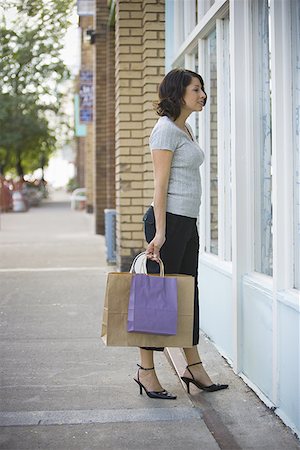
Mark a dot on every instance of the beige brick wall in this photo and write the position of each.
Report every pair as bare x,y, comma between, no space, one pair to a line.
104,123
153,72
100,25
139,69
80,160
110,120
89,167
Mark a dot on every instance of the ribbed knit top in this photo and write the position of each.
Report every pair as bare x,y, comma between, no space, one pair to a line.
184,190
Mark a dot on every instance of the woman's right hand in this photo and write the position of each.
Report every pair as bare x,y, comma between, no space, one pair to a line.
154,246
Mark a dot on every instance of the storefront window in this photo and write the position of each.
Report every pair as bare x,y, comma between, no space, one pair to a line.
224,109
295,9
213,142
263,144
213,136
189,16
203,6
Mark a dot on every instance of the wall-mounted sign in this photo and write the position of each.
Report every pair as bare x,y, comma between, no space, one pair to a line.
86,96
85,7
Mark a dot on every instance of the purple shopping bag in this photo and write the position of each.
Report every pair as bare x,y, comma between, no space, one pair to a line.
152,304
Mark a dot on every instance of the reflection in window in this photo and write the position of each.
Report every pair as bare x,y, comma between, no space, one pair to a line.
212,98
189,16
263,148
196,114
203,6
225,114
295,8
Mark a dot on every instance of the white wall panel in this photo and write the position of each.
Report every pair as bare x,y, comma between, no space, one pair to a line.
215,289
289,359
257,329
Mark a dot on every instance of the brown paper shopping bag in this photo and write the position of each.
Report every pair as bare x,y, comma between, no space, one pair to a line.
114,322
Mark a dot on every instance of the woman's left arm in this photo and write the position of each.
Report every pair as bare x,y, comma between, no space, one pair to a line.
162,160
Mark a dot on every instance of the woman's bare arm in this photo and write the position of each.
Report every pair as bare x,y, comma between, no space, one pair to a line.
162,160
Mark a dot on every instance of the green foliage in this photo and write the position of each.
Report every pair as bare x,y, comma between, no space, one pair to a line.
26,138
72,184
32,75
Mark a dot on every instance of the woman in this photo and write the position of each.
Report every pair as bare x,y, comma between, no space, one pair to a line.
171,221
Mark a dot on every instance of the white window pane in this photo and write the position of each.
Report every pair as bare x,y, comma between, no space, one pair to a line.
213,144
263,148
189,16
178,23
203,6
295,10
225,117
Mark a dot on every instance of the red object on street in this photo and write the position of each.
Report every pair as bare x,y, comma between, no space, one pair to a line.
6,203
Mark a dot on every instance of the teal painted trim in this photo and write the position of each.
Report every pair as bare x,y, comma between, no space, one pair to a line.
112,13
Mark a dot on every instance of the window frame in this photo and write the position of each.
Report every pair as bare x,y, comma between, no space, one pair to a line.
196,41
283,155
224,147
241,268
295,62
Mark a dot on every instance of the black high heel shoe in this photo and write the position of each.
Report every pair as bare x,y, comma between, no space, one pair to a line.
210,388
153,394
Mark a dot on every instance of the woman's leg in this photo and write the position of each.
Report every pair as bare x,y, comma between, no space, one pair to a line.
148,377
189,265
180,251
192,357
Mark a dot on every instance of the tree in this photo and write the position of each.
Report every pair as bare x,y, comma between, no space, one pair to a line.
32,79
26,138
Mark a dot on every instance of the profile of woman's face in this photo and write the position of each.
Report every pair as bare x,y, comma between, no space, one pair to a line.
194,97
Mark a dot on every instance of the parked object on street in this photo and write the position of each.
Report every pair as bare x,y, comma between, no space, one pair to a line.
110,235
78,198
5,195
32,193
19,202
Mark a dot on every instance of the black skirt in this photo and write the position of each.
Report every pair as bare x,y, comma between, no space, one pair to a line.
180,254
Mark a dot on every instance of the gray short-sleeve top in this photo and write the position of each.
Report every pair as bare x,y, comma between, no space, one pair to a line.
184,190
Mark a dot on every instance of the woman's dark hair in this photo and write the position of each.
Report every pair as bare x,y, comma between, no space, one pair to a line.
171,92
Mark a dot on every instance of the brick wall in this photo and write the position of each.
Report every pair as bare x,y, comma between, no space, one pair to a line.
153,72
110,119
104,126
139,68
80,158
89,167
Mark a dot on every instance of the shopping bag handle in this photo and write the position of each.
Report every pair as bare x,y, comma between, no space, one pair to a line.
144,266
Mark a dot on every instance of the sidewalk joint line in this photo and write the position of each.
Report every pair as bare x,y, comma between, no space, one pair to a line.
54,269
78,417
212,419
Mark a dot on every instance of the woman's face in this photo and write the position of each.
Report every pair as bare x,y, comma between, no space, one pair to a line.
194,97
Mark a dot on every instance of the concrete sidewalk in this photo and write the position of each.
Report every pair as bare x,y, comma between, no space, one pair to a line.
62,389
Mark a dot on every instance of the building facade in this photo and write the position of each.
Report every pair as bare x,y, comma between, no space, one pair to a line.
249,220
84,128
248,55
